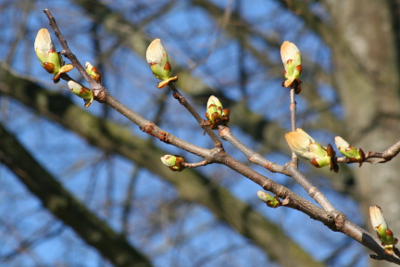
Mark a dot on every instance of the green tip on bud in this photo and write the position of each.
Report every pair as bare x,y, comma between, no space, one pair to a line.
271,201
93,72
175,163
355,155
291,59
82,92
49,59
305,146
216,114
381,228
157,58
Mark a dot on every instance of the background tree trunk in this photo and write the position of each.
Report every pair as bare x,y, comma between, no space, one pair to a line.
367,79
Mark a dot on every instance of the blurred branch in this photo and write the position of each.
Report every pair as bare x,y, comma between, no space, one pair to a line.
42,235
127,204
62,204
245,34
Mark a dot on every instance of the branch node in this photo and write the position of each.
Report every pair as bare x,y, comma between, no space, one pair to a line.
150,130
337,221
100,94
286,201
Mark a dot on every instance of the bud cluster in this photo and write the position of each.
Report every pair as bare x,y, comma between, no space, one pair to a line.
216,114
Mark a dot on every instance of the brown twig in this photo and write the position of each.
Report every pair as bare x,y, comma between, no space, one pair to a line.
289,170
195,164
295,159
182,100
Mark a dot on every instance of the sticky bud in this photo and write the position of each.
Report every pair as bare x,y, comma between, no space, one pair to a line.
381,228
82,92
271,201
175,163
157,58
355,155
93,72
291,59
216,114
305,146
49,59
299,142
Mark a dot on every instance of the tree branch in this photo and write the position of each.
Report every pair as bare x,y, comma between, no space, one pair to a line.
190,184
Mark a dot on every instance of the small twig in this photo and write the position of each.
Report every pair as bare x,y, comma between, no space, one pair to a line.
312,190
295,159
292,109
386,155
195,164
182,100
226,134
152,129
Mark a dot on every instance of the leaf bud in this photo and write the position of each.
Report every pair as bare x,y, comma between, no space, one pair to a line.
49,59
157,58
175,163
381,228
291,59
271,201
93,72
215,113
82,92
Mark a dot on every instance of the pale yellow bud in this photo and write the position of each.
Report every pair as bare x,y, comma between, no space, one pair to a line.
299,142
46,52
